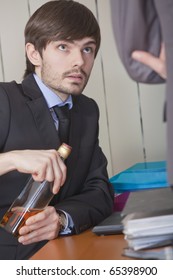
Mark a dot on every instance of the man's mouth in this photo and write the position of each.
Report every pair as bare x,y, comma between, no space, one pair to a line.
75,77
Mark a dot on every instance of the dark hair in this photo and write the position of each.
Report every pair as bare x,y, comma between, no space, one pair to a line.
60,20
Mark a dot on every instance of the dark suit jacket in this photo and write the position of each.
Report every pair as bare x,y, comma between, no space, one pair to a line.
26,123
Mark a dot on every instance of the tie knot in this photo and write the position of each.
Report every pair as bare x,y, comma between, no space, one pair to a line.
62,112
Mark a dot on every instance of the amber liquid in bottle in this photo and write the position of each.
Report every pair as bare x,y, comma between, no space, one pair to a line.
39,195
14,219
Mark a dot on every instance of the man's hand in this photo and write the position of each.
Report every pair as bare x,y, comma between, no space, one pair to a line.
42,226
41,164
158,64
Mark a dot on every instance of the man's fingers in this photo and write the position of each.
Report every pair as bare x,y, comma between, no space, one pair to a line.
44,225
145,58
155,63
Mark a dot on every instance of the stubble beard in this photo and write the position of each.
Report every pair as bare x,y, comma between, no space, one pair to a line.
56,84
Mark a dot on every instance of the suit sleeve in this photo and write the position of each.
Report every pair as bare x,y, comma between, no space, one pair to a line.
95,201
136,26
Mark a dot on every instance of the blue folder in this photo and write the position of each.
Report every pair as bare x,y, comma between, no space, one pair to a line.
141,176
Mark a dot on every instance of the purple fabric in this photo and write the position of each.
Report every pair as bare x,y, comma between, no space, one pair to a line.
120,201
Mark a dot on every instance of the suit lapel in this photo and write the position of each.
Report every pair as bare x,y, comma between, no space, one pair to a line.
41,114
74,139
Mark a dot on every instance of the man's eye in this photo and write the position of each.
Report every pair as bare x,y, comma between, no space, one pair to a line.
62,47
88,50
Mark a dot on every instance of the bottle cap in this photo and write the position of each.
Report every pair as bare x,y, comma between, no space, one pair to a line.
64,150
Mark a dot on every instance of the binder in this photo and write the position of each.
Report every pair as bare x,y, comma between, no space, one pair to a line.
148,201
141,176
110,225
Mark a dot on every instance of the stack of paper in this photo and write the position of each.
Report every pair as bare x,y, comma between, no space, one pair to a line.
148,230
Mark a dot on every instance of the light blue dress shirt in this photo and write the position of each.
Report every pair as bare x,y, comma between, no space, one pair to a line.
52,100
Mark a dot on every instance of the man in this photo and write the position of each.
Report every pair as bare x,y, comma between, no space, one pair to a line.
62,40
147,50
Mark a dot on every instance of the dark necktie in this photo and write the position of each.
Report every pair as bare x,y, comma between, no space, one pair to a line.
64,122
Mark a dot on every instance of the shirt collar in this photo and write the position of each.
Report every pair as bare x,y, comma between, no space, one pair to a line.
51,98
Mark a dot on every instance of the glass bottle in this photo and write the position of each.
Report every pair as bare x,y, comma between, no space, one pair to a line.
33,199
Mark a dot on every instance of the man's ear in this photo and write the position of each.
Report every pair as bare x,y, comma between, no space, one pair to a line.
32,54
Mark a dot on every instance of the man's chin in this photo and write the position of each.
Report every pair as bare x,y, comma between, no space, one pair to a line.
71,92
76,90
72,89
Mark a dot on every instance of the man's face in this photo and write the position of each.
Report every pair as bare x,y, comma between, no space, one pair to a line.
65,66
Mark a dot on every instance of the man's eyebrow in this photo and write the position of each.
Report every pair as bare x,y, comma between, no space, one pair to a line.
90,42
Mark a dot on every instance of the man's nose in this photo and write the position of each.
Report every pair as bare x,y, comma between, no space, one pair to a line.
77,58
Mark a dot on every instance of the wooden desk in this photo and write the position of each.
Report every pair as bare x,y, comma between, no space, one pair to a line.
85,246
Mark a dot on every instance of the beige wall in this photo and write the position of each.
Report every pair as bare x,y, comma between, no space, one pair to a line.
116,94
